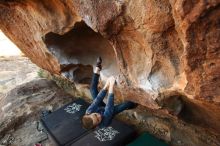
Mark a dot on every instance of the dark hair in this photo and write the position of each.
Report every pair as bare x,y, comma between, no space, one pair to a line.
87,122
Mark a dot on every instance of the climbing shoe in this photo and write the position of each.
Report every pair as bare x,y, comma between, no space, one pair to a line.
99,63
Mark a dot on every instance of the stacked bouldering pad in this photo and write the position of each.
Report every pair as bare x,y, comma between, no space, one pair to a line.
65,127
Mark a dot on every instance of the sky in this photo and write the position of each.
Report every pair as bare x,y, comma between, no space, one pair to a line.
8,48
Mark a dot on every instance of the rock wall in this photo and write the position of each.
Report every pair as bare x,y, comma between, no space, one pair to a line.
165,54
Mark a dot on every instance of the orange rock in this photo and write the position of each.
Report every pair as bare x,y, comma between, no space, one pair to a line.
148,44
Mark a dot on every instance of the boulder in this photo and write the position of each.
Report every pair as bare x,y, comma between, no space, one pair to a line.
158,50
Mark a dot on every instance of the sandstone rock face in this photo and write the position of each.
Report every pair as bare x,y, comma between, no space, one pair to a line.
165,54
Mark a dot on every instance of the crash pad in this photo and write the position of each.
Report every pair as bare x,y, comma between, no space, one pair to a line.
147,139
64,125
116,134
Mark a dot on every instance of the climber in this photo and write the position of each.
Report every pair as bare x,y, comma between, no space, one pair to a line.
99,113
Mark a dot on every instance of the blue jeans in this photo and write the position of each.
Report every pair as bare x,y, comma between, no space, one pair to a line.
118,108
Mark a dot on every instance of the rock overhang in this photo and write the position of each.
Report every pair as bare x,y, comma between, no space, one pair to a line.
150,57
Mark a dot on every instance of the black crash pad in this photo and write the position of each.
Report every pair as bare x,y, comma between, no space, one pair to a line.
64,125
116,134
